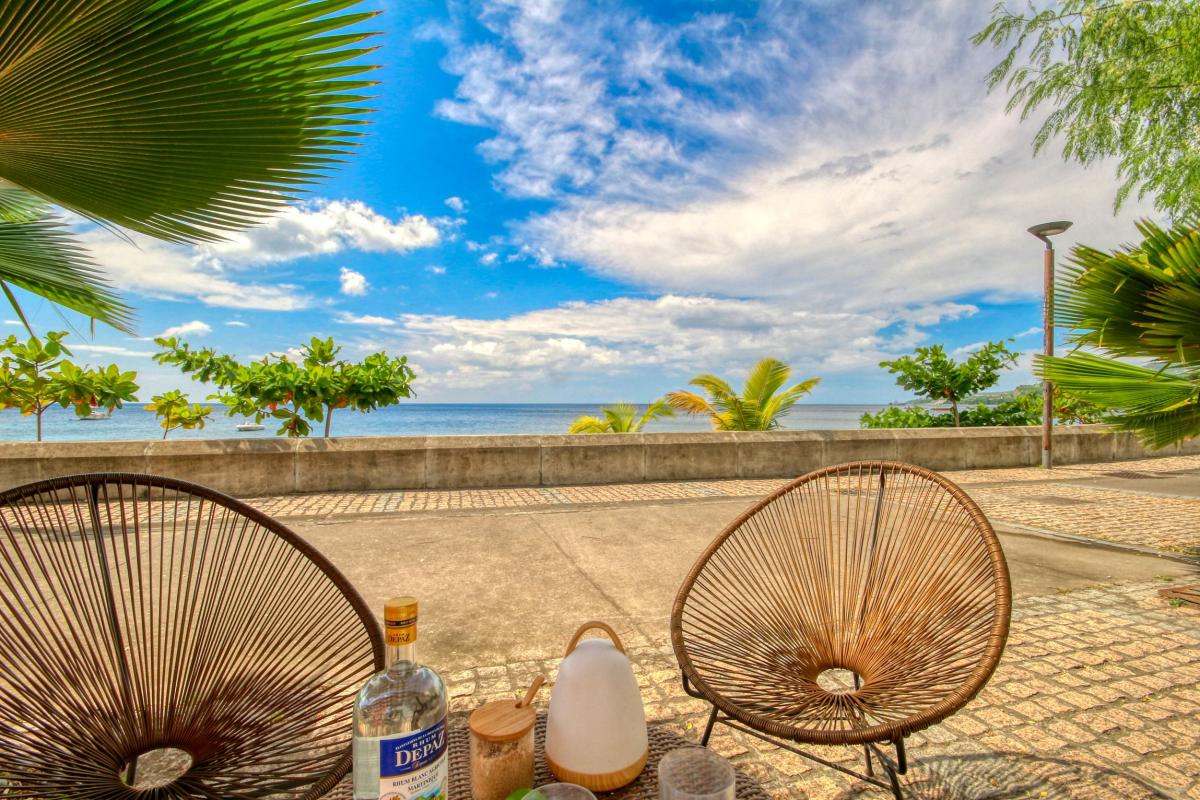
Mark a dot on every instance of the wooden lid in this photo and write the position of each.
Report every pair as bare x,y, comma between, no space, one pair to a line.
502,720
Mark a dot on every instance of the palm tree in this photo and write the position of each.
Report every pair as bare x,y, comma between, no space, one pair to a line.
177,119
1139,303
757,408
621,418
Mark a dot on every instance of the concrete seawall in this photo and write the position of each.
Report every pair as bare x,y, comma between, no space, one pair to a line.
250,467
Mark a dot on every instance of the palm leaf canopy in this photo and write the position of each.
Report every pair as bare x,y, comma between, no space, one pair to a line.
1139,303
38,254
621,418
759,406
178,119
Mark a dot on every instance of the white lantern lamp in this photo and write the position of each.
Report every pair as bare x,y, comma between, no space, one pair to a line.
596,731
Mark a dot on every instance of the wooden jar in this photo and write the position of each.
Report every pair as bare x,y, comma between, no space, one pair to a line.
502,746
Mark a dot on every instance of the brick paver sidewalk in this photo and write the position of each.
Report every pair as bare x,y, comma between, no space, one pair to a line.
1097,696
1024,497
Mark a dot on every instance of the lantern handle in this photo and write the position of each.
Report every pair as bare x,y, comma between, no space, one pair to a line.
594,625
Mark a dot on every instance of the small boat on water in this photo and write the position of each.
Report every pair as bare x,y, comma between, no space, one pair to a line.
246,427
96,416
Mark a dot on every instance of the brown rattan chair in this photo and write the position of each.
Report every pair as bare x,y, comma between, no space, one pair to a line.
145,614
854,606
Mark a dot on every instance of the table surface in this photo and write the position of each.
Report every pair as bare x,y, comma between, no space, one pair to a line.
646,786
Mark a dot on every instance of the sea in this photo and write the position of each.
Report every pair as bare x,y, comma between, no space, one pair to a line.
407,419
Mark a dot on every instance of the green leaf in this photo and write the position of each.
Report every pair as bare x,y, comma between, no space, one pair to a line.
41,256
758,408
177,119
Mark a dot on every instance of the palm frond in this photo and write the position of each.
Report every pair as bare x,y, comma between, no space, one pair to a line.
1163,428
1162,405
43,257
689,403
765,379
620,417
589,425
779,405
655,410
20,206
717,387
1137,301
177,119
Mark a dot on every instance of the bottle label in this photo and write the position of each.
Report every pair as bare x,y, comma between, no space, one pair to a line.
412,766
400,631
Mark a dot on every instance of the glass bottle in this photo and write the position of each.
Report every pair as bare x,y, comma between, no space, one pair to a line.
400,720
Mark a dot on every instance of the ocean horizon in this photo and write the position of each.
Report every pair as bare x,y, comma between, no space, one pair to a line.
133,422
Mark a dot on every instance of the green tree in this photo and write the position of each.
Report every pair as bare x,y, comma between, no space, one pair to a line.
36,375
87,389
1140,302
904,417
295,393
174,411
1122,80
931,373
1023,409
760,405
621,418
177,120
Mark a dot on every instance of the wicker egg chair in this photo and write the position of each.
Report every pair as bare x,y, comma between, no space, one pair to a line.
854,606
145,615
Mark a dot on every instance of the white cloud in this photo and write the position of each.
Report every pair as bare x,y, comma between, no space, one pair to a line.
488,259
237,323
1035,331
861,169
156,269
579,340
436,270
16,322
352,283
111,350
456,204
364,319
207,273
193,328
324,227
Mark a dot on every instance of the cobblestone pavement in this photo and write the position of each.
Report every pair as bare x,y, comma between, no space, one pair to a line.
1025,497
1097,696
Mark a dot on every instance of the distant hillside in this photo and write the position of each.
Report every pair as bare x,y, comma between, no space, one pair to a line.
992,398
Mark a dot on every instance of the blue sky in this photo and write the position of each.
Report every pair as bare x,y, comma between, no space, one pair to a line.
572,202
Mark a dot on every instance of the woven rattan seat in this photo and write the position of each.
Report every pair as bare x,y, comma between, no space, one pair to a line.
856,605
142,613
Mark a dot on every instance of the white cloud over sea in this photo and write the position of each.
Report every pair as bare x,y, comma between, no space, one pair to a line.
825,162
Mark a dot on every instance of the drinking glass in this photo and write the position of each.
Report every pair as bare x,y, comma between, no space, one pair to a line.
560,791
695,773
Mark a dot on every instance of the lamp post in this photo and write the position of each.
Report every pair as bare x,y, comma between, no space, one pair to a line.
1044,232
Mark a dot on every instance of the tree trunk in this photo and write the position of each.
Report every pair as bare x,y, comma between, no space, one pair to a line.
954,409
328,420
39,423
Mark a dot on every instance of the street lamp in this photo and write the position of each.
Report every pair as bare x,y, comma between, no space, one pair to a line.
1044,232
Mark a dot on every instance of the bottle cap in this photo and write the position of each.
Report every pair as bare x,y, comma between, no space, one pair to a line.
400,621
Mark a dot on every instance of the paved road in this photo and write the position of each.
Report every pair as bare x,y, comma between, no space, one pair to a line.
501,585
1096,696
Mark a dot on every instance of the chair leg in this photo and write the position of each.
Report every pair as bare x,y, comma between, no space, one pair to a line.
708,729
867,756
891,773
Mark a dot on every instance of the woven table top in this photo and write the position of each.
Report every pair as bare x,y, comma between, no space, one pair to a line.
646,786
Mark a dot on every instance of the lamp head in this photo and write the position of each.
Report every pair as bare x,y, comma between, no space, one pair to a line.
1048,229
